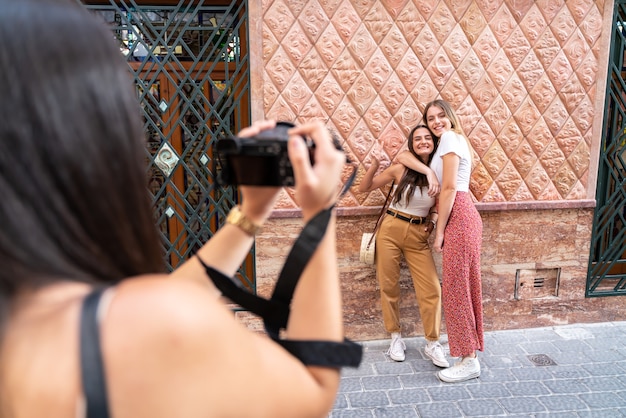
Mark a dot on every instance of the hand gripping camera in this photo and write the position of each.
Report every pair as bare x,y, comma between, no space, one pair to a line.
260,160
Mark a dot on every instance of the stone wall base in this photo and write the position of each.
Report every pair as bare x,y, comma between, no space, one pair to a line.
534,273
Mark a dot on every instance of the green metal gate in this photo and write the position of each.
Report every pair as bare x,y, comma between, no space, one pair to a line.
189,61
607,263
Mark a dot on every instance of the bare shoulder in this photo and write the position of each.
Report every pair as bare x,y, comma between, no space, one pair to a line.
172,349
166,342
154,323
156,306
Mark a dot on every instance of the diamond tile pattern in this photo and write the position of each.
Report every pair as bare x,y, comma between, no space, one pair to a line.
520,73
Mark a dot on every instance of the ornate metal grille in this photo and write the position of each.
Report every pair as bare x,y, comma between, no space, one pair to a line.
607,263
189,62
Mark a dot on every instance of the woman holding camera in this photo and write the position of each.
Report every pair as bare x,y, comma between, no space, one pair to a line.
78,226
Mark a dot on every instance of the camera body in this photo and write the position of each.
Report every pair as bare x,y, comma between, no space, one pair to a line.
261,160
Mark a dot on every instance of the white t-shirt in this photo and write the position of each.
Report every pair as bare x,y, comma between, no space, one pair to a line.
453,142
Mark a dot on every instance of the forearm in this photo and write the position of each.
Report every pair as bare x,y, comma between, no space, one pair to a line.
433,213
409,160
366,182
316,307
446,200
225,251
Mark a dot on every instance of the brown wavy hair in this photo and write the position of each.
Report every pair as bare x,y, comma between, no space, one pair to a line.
75,202
413,179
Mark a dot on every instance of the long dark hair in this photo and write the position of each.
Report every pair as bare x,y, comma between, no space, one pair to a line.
411,178
74,202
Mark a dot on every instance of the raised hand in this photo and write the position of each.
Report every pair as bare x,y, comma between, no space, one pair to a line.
258,201
316,185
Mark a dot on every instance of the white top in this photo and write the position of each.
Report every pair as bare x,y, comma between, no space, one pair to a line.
419,204
453,142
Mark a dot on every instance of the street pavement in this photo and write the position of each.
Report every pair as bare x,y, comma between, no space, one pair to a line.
576,370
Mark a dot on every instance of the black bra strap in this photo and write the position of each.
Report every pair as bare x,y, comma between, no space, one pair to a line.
91,364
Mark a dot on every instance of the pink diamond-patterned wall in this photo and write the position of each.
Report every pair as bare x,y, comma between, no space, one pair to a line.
522,75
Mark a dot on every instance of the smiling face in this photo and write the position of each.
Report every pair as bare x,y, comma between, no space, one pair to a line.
423,143
438,120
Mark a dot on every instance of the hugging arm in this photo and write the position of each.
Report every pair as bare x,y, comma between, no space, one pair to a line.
409,160
451,163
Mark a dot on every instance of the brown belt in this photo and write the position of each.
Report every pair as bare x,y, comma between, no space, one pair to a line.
410,219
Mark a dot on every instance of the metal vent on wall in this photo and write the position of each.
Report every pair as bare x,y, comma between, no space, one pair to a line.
537,283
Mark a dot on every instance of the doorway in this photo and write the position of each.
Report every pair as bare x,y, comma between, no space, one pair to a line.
189,63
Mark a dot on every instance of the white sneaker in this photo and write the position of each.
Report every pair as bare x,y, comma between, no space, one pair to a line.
434,351
397,347
466,369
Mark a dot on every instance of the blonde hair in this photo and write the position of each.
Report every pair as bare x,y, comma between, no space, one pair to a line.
454,120
450,114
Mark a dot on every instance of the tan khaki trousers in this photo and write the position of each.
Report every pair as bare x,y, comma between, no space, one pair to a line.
394,239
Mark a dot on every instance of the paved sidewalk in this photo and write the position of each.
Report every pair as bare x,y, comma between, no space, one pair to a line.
574,370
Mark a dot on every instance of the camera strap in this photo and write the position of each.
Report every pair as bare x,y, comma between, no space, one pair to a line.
275,311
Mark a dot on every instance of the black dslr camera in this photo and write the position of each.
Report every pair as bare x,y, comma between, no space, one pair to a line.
260,160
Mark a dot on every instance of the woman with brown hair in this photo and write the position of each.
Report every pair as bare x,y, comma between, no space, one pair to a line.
404,231
90,324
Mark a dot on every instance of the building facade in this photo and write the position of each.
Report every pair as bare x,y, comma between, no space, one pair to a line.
529,80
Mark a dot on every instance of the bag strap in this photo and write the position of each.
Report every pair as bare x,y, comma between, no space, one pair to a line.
275,311
91,364
381,214
275,316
